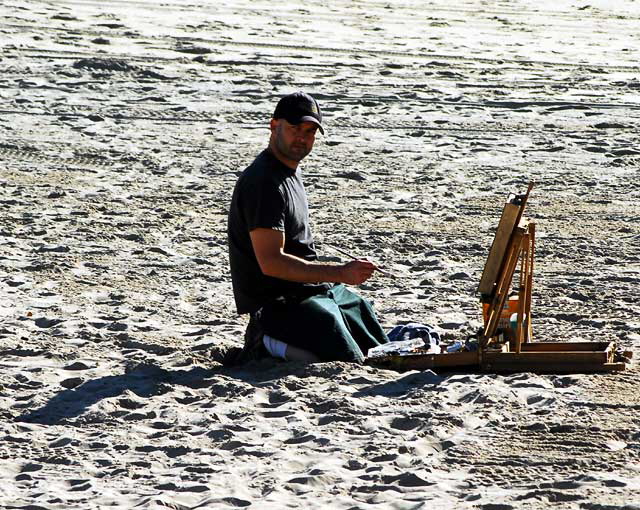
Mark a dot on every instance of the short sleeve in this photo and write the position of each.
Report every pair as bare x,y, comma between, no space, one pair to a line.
263,205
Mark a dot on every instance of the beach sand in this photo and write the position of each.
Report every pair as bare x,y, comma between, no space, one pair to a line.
123,127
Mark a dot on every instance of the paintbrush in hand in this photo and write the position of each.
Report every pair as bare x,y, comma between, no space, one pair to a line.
339,250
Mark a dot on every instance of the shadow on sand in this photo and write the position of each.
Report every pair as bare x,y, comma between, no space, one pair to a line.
144,380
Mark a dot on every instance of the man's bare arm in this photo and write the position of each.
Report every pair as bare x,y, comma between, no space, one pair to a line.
268,245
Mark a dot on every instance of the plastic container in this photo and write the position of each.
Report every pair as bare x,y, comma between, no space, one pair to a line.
403,347
513,322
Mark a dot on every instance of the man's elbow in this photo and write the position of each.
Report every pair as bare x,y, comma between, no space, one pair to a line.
270,266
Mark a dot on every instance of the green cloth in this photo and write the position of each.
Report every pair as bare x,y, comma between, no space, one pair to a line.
336,326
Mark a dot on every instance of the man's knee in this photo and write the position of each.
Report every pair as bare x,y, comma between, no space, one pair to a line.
322,315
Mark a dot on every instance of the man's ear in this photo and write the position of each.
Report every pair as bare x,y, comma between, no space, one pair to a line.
272,124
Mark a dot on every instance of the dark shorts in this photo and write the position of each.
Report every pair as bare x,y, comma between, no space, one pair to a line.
336,325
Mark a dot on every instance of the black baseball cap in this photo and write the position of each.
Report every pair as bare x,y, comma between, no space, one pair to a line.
297,108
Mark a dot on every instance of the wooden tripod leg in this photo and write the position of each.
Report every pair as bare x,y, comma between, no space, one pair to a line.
520,333
527,303
502,287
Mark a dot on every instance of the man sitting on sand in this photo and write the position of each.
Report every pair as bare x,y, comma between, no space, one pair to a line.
299,308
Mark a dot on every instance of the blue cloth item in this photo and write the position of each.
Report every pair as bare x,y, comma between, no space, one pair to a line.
429,336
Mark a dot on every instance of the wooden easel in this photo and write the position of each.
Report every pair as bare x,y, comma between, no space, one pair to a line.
514,241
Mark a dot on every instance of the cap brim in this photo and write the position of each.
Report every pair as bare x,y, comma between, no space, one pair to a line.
309,118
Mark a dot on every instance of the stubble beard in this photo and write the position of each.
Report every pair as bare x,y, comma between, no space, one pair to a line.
294,152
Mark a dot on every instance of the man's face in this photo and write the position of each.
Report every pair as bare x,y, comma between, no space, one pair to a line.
293,141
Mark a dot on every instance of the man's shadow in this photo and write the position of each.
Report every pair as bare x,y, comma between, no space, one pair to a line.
144,380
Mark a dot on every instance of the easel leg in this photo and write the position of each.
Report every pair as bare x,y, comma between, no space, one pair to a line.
532,244
520,332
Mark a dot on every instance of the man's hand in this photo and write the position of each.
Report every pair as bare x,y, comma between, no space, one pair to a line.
357,271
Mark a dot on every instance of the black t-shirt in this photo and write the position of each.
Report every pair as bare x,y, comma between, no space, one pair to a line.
268,194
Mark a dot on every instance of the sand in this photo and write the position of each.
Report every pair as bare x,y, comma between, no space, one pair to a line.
123,126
